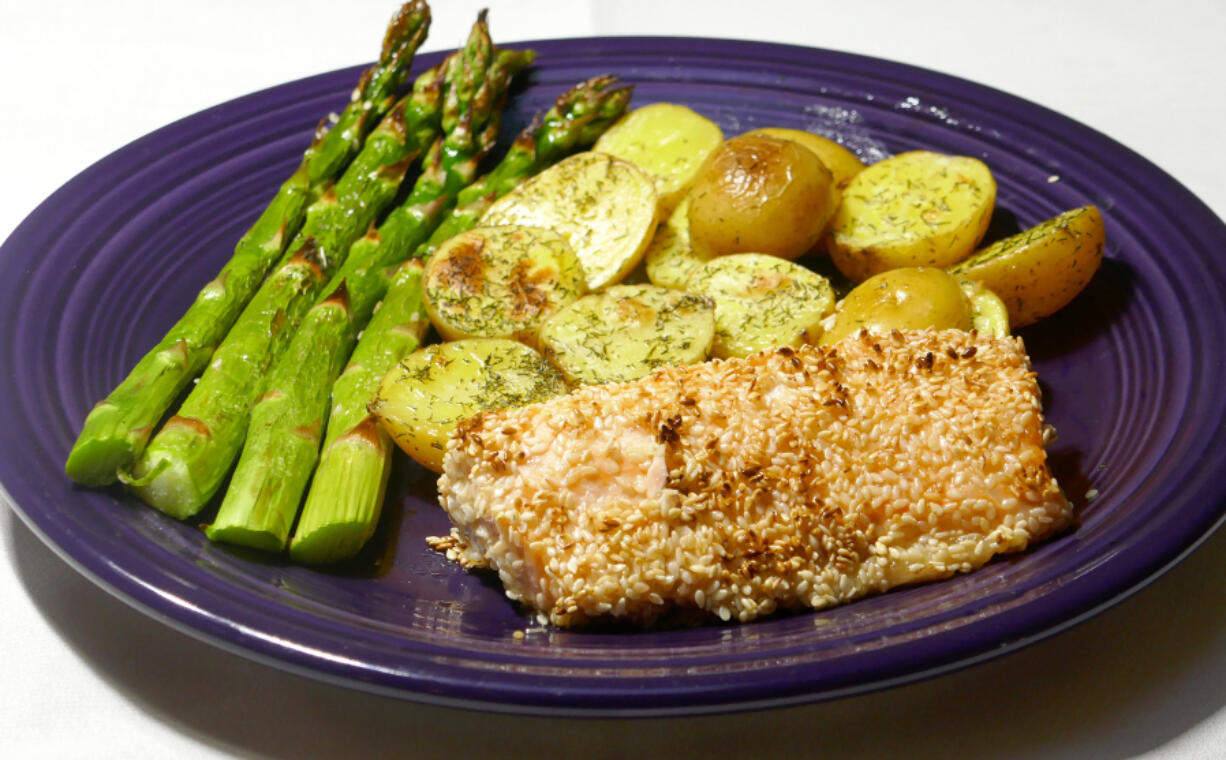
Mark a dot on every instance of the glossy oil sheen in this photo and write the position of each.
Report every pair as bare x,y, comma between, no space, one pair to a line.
1131,373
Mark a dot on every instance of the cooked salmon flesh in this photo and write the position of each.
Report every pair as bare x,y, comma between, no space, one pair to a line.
794,478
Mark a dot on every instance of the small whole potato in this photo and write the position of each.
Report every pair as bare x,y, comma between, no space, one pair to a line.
760,194
841,162
909,298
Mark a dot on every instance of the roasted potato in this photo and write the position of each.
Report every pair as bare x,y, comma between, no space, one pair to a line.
842,163
914,209
423,398
1037,272
758,194
667,141
670,257
761,302
626,331
915,298
500,282
988,313
604,206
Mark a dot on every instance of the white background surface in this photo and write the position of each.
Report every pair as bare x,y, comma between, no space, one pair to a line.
84,675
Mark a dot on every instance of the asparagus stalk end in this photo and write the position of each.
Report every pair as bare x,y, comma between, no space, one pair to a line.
94,462
265,540
165,484
344,505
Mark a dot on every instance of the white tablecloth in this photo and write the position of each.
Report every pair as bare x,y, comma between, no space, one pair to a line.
84,675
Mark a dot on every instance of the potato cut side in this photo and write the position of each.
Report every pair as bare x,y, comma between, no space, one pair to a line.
500,282
604,206
1037,272
671,257
762,302
989,315
627,331
424,397
667,141
841,162
914,209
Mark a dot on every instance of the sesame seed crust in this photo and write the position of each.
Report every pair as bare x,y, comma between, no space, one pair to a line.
795,478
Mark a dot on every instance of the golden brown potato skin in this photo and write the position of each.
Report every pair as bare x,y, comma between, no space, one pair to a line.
908,298
759,194
1039,271
841,162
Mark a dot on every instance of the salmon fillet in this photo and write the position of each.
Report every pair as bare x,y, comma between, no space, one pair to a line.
794,478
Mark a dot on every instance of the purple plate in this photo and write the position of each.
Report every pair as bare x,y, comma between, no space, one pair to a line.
1131,372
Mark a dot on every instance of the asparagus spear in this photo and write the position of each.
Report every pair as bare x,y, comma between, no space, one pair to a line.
312,352
261,515
115,431
185,463
283,440
346,496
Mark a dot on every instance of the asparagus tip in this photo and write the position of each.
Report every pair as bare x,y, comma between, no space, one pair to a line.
407,27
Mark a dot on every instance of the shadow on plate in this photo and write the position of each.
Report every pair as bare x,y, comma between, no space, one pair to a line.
1157,665
1089,315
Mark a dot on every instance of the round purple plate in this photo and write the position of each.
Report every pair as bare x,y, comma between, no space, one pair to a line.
1131,373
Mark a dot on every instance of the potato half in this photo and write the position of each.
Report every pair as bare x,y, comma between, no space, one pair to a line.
1037,272
424,397
914,209
626,331
762,302
500,282
667,141
671,257
604,206
841,162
